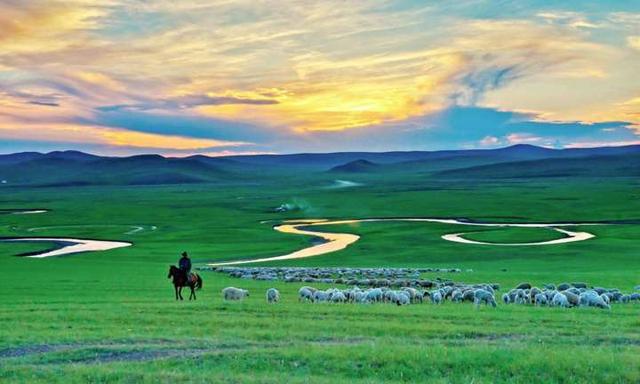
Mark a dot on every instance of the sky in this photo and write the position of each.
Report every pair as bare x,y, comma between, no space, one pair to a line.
124,77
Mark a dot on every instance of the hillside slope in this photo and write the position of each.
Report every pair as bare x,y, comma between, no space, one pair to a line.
627,165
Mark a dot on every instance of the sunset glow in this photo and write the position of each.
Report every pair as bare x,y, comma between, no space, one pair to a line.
240,76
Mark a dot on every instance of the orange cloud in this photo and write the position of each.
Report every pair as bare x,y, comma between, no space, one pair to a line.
70,133
328,66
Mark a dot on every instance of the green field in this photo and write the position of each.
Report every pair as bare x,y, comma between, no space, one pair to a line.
513,235
111,316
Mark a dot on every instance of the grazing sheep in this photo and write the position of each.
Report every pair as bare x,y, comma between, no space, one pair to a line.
273,295
338,297
484,296
468,295
505,298
520,296
305,294
574,290
389,296
330,292
563,287
560,300
402,299
374,295
456,296
313,290
579,285
524,286
550,294
233,293
436,297
320,296
532,294
614,296
591,299
411,292
540,299
573,298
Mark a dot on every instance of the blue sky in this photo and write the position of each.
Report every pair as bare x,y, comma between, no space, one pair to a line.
230,77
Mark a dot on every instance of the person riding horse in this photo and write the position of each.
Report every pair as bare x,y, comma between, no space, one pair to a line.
185,265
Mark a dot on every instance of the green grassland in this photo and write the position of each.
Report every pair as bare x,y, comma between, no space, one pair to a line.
513,235
111,316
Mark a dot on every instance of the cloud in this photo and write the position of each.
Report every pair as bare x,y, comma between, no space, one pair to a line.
488,141
634,42
467,127
44,103
85,134
523,138
571,19
244,71
174,123
593,144
188,101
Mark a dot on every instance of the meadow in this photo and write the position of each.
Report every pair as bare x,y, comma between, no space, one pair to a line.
111,316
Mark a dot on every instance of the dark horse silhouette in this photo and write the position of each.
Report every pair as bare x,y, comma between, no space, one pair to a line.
180,281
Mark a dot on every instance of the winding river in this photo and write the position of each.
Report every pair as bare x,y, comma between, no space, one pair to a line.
337,241
68,246
332,242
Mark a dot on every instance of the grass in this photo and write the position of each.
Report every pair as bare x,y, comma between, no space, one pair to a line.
513,235
110,316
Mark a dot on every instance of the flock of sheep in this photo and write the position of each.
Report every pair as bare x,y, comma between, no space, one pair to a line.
568,295
362,277
564,295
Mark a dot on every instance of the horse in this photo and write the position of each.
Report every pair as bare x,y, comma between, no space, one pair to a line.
180,280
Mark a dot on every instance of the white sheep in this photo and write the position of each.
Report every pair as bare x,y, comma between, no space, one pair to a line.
320,296
521,296
412,293
456,296
436,297
402,298
273,295
560,300
338,297
540,299
305,294
233,293
389,296
374,295
484,296
550,294
311,289
591,299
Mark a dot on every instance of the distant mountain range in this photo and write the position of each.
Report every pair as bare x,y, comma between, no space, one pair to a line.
72,168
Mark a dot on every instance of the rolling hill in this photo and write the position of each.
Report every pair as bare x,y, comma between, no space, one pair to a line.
357,166
70,168
626,165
